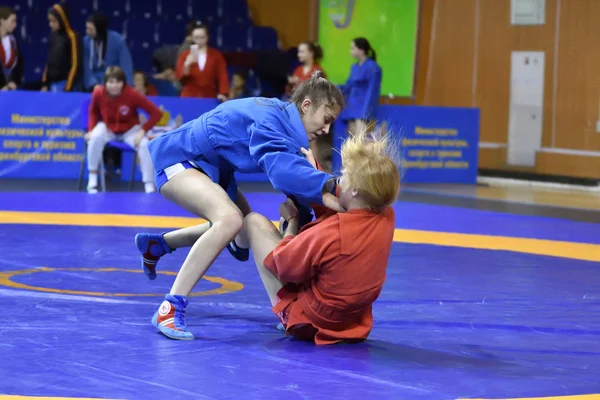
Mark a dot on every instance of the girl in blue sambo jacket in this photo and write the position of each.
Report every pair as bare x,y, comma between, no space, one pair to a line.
195,167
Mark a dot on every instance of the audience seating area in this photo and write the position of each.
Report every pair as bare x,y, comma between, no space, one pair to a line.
147,25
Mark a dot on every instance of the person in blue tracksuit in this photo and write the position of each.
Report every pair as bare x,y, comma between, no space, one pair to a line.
103,48
362,88
194,167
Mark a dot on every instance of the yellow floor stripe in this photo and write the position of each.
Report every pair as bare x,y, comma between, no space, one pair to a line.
578,251
82,219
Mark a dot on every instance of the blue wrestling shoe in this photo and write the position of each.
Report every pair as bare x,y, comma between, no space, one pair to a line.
152,247
168,319
238,253
280,327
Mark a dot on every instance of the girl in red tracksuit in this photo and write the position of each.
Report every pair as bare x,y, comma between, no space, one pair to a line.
114,115
323,280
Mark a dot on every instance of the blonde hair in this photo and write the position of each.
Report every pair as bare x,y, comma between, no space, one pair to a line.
371,168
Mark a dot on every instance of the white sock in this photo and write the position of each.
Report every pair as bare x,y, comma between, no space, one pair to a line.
93,180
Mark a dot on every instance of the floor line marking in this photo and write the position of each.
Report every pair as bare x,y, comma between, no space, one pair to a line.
554,248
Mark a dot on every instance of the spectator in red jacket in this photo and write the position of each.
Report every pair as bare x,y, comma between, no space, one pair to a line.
114,115
309,55
11,59
202,70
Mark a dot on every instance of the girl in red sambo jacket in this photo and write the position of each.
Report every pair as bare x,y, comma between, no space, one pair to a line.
323,280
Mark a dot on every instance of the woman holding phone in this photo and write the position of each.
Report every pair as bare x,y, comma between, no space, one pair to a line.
202,70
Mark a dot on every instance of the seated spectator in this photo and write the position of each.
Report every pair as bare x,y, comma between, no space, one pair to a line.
114,115
239,88
140,83
103,48
112,155
63,68
165,57
202,70
11,59
164,60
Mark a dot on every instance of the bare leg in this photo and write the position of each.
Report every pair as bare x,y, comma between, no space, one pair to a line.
195,192
186,237
241,240
263,237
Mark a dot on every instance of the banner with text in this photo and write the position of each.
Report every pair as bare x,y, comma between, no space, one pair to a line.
434,144
41,134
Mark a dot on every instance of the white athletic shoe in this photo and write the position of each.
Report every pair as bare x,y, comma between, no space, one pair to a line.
149,187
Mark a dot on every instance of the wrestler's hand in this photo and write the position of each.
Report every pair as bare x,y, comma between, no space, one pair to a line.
332,202
288,210
309,156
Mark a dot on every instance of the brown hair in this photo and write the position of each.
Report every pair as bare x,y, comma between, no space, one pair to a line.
363,44
371,168
115,72
199,25
143,74
6,12
319,90
315,49
195,24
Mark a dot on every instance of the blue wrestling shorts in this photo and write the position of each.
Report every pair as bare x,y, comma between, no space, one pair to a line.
223,178
168,173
